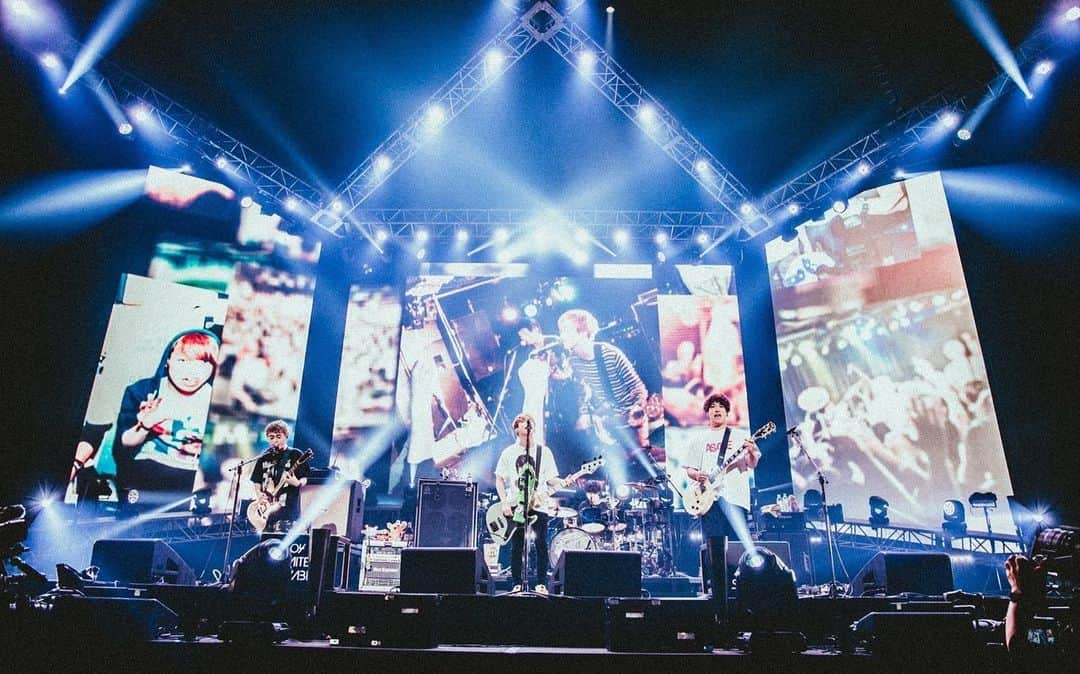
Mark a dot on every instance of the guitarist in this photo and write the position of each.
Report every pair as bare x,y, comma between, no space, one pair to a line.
520,463
274,464
712,445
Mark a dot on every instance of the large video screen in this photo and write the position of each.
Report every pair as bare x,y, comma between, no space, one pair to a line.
880,359
146,421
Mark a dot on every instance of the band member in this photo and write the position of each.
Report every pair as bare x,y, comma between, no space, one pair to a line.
163,417
276,466
727,517
612,395
524,464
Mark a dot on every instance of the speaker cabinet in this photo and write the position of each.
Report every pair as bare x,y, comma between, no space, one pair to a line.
890,573
140,560
802,558
345,511
444,571
445,514
598,573
655,626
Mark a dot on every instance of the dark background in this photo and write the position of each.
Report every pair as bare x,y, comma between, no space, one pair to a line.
770,88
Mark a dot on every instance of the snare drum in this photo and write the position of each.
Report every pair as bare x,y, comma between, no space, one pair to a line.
593,520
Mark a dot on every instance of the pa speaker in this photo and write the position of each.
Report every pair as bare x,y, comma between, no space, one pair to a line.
444,571
598,573
140,560
889,573
446,514
345,511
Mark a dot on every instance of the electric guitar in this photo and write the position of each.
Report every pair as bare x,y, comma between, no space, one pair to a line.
502,529
262,509
699,497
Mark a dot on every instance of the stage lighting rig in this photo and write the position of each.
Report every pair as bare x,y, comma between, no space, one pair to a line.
764,585
1058,549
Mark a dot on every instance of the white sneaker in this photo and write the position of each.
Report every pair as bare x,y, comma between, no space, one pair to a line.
541,589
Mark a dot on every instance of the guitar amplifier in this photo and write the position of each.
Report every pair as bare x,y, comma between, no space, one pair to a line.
445,514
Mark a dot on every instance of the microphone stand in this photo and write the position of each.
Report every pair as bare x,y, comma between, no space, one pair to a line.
235,488
527,507
834,587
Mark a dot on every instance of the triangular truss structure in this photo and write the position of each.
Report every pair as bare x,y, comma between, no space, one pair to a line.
341,212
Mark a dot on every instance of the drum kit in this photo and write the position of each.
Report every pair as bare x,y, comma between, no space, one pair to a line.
641,523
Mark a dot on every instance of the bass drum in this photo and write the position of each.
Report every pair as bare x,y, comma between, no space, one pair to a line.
568,539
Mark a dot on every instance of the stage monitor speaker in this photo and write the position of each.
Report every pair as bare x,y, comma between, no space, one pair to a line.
140,560
444,571
345,511
445,514
598,573
892,573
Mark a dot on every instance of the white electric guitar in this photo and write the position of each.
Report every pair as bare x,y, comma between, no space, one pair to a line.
502,528
700,496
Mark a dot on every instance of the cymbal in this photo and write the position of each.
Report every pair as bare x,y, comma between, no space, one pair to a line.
640,485
563,511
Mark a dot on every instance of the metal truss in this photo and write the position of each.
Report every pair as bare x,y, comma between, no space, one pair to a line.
815,188
541,22
862,536
444,223
190,528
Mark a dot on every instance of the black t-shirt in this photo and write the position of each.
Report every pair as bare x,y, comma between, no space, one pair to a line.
268,472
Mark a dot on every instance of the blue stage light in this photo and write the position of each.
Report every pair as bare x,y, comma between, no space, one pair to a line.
337,206
421,254
839,206
661,238
381,235
421,236
610,9
863,169
1044,67
1073,13
462,235
793,209
383,163
646,113
125,128
221,163
50,60
964,134
746,208
621,237
292,204
501,235
246,202
587,59
702,239
530,310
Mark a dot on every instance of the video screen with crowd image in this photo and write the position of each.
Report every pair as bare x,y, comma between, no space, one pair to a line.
364,418
880,360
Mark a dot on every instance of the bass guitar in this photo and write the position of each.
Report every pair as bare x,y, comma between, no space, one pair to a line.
700,496
262,509
501,528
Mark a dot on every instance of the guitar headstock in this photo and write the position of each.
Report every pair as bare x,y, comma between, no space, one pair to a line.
765,431
305,457
592,466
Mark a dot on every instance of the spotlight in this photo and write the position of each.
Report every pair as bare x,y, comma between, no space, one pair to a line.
587,59
383,163
611,10
747,208
501,235
291,204
49,60
839,206
421,235
262,572
661,256
530,310
622,492
646,113
246,202
1071,14
381,235
879,512
863,169
701,166
621,237
661,238
509,314
140,113
702,239
954,522
793,209
125,128
764,585
337,206
186,168
461,236
1044,67
435,114
950,119
494,58
221,163
421,254
581,236
964,134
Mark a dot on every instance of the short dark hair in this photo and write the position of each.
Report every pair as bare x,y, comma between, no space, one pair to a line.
717,398
279,426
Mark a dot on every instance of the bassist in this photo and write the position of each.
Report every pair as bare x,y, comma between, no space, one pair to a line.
280,464
712,445
525,464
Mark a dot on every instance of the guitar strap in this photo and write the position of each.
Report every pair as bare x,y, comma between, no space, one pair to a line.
720,456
